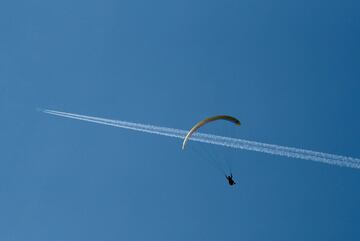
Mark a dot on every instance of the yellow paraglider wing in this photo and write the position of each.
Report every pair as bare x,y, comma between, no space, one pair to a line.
207,120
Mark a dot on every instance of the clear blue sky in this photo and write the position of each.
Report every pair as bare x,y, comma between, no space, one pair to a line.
288,69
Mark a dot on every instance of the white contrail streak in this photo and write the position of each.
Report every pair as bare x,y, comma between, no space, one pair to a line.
222,141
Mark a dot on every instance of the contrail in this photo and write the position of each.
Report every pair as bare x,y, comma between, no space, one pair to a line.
221,140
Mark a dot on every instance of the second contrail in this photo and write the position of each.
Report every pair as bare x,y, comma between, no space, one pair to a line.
221,140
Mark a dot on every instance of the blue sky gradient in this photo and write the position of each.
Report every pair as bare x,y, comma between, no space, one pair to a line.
289,70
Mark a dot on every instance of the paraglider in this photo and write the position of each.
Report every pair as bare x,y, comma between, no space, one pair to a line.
229,178
207,120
